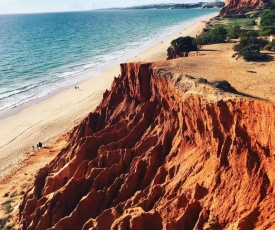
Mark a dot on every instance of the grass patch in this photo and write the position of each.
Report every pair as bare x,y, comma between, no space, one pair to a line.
3,222
7,206
13,194
245,23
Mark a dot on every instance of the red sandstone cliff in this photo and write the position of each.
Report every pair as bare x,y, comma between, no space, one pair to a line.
240,6
153,157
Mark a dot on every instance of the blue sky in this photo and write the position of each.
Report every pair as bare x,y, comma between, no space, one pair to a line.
30,6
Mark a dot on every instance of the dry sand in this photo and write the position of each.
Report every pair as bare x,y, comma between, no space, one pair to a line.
215,62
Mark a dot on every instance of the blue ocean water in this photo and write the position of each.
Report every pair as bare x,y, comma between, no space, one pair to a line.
42,53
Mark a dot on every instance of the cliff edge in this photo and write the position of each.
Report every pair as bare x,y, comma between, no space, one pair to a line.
156,155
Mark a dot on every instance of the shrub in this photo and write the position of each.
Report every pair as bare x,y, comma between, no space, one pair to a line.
246,41
204,38
270,4
181,45
249,48
233,30
216,35
251,53
268,18
249,33
219,34
267,30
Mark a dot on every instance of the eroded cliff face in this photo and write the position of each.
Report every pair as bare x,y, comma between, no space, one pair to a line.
240,6
153,157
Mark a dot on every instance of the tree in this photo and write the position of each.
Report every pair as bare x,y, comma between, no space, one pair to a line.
267,30
268,18
246,41
251,53
219,34
233,30
249,48
181,46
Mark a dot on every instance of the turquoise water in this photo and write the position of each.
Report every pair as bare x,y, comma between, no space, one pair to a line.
43,53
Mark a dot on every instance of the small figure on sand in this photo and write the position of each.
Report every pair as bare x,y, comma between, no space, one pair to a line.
39,145
76,87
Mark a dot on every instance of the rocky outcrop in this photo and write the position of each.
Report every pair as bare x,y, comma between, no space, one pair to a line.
153,157
240,6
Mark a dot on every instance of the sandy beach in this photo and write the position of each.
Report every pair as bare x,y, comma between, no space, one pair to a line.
47,120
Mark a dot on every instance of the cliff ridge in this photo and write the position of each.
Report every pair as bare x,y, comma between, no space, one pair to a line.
156,155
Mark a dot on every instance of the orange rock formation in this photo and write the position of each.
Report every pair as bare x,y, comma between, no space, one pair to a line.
241,6
153,157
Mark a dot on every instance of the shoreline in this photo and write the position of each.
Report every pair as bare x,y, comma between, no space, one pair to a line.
48,119
108,65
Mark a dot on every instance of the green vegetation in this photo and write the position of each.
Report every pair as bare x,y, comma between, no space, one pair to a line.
222,29
219,34
246,22
5,225
233,30
267,23
270,4
216,35
249,48
7,206
252,33
267,30
181,47
268,18
13,194
3,222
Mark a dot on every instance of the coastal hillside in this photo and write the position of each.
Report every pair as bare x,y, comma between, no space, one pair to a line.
216,4
158,153
241,6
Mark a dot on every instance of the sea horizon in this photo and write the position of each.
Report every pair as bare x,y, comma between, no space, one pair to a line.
42,57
